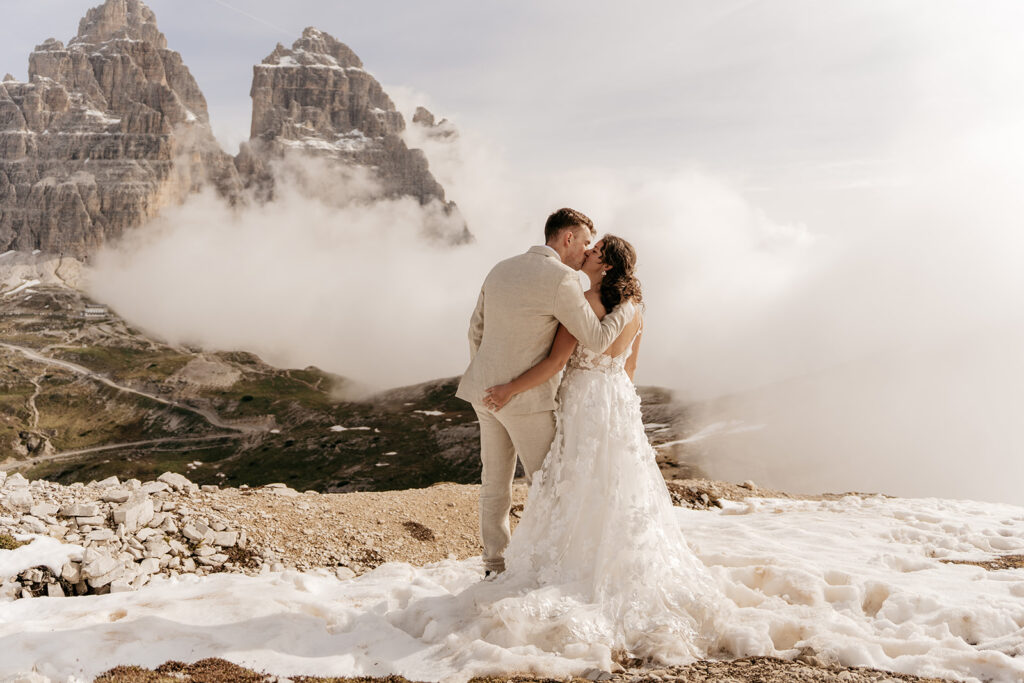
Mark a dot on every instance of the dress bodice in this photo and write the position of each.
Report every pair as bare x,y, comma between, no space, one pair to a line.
586,359
583,358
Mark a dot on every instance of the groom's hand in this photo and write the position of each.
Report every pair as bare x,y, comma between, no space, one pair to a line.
496,397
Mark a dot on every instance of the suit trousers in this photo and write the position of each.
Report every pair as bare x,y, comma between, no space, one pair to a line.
502,437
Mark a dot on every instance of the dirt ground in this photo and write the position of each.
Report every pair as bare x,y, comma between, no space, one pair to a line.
418,526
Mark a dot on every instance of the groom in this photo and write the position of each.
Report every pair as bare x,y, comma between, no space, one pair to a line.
516,316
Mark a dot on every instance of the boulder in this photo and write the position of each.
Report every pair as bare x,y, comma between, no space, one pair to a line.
115,496
79,510
98,520
72,572
150,565
106,579
15,481
178,482
34,525
225,539
134,513
20,499
101,566
44,510
157,547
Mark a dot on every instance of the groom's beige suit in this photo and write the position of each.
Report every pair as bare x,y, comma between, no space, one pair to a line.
513,325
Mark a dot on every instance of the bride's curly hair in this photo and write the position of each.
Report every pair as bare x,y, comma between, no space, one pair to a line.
619,283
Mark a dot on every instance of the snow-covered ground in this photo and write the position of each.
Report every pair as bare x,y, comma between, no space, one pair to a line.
858,579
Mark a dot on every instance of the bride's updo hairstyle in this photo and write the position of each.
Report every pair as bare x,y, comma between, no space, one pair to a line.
619,283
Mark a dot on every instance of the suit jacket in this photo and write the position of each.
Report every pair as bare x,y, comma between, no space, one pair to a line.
515,320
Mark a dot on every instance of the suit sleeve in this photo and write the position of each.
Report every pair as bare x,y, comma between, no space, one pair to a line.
476,326
573,311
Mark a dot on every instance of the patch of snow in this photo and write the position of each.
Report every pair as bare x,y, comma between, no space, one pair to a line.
103,118
352,141
42,551
433,413
339,428
8,252
716,429
23,285
311,143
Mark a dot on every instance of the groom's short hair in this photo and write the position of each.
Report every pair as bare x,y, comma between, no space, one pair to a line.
566,218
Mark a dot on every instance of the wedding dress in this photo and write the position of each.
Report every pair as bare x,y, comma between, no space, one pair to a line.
598,568
599,541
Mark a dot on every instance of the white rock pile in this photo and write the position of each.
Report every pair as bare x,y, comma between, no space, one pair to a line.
125,533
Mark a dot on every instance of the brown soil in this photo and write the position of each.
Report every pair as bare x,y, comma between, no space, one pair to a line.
1002,562
365,529
749,669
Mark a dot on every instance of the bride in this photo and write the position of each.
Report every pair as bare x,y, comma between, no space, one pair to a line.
599,556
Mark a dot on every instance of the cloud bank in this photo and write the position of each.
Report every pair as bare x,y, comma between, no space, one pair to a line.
859,299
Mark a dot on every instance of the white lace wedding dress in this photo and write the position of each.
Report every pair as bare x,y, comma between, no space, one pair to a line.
598,567
599,539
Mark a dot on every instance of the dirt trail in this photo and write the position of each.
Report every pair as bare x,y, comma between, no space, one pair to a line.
207,415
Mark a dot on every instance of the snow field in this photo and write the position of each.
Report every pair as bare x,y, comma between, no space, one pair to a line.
858,579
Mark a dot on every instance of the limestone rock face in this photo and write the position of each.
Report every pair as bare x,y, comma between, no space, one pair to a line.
107,130
317,100
443,129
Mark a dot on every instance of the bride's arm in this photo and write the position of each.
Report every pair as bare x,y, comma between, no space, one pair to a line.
631,361
497,396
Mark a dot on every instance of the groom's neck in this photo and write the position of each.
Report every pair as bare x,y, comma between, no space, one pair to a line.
554,248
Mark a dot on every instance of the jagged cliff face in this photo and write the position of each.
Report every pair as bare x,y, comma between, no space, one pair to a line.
316,99
108,130
112,127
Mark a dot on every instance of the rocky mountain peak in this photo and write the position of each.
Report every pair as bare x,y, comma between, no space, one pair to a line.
316,99
315,47
120,20
107,131
326,92
423,116
441,130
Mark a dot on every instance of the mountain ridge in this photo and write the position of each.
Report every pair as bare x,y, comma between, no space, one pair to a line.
112,127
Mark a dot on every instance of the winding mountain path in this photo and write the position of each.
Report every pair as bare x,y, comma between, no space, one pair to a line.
207,415
22,465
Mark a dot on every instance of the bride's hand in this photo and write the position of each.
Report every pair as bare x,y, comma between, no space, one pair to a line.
497,396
